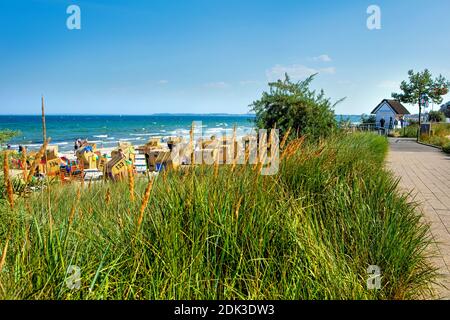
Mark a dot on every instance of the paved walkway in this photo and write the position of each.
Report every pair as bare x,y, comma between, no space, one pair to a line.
426,172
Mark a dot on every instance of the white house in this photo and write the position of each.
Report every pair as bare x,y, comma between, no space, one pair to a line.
389,110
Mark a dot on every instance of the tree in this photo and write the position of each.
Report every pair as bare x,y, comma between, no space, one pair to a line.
446,109
421,86
436,116
368,119
295,106
6,135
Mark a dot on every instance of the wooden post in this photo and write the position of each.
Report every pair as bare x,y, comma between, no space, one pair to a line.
44,136
44,129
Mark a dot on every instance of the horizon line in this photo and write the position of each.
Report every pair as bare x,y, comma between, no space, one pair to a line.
149,114
128,115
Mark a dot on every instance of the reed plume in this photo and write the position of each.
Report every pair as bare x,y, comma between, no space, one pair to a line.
233,149
164,174
292,147
120,222
131,183
285,138
5,251
24,163
28,207
8,183
261,164
216,164
108,197
271,146
82,176
238,206
74,205
145,200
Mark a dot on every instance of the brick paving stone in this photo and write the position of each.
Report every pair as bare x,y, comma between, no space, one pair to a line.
425,172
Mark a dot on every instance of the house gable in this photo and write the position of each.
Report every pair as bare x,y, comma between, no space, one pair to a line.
384,107
395,106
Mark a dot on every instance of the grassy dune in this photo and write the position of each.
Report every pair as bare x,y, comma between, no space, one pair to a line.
309,232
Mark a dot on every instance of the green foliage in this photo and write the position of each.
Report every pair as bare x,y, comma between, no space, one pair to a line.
368,119
414,122
446,147
436,116
446,109
440,135
433,140
309,232
422,83
6,135
441,129
296,106
409,131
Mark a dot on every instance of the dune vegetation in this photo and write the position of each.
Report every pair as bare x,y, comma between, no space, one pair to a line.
440,135
309,232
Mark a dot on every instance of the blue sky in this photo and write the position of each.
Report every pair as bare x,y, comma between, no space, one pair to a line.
201,56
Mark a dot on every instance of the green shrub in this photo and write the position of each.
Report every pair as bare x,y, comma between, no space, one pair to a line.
441,129
446,147
433,140
440,134
436,116
368,119
289,105
6,135
409,131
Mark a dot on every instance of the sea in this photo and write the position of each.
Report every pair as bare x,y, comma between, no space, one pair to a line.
107,130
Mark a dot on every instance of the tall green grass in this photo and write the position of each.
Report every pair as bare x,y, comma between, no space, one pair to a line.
408,131
440,135
309,232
